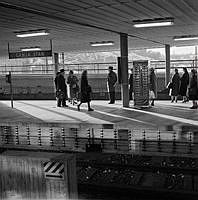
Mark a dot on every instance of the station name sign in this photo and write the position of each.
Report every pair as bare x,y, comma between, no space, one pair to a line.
30,54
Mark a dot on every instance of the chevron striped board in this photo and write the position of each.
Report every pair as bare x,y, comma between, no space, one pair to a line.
54,170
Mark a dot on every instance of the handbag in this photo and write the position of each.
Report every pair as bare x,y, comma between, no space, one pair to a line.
60,94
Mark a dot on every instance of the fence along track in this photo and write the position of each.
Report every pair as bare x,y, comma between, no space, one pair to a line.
108,140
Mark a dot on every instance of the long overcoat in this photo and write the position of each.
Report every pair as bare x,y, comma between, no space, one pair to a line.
175,84
184,84
111,80
85,91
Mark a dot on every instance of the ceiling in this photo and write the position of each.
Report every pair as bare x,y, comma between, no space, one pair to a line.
73,24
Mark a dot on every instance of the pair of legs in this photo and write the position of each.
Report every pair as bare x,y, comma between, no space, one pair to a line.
61,102
88,105
194,105
152,102
185,99
173,98
112,97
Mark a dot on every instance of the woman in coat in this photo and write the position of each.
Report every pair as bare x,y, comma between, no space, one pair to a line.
72,80
193,89
153,86
175,86
85,91
184,84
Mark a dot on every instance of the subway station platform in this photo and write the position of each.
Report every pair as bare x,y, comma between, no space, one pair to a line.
164,115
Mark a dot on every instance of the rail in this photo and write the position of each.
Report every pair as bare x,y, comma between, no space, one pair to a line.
95,139
93,68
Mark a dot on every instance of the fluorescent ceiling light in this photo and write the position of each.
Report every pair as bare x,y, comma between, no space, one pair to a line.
153,22
185,37
103,43
32,33
31,49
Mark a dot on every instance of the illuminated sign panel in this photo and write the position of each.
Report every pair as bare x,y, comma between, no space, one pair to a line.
30,54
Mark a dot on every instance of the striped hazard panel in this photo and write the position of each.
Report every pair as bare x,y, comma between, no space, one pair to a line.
54,170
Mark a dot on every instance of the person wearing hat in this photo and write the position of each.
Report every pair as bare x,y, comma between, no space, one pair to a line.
111,82
61,89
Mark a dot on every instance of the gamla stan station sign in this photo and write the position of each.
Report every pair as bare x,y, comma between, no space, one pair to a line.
30,54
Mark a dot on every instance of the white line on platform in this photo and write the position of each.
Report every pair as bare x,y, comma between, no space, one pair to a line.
179,119
119,116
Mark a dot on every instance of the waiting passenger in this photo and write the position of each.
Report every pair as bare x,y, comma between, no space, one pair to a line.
131,94
175,86
111,83
85,91
72,80
184,85
193,89
61,89
152,86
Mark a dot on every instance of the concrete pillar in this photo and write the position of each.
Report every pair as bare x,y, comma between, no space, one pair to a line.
167,73
124,65
55,63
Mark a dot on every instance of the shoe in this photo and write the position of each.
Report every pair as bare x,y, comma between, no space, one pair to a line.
111,102
194,107
78,107
58,106
152,104
172,101
90,109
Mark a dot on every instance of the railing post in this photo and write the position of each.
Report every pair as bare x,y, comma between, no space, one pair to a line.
144,141
89,137
190,143
130,139
5,135
174,142
39,137
63,136
159,140
51,137
102,138
28,134
16,135
76,138
115,139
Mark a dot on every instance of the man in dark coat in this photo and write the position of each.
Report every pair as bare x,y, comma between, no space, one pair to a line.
61,89
193,89
153,86
184,85
111,82
175,86
131,85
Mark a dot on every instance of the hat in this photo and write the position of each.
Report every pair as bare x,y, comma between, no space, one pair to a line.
62,70
110,67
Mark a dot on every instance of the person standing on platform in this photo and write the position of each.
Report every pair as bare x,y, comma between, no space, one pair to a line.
175,86
72,80
152,86
193,89
61,89
85,91
111,82
131,85
184,85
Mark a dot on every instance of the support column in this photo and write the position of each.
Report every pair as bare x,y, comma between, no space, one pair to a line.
124,66
55,63
167,73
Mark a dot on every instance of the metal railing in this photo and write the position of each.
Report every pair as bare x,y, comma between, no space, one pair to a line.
110,140
92,68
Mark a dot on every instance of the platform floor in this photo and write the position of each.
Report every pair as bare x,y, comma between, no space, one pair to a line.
164,115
